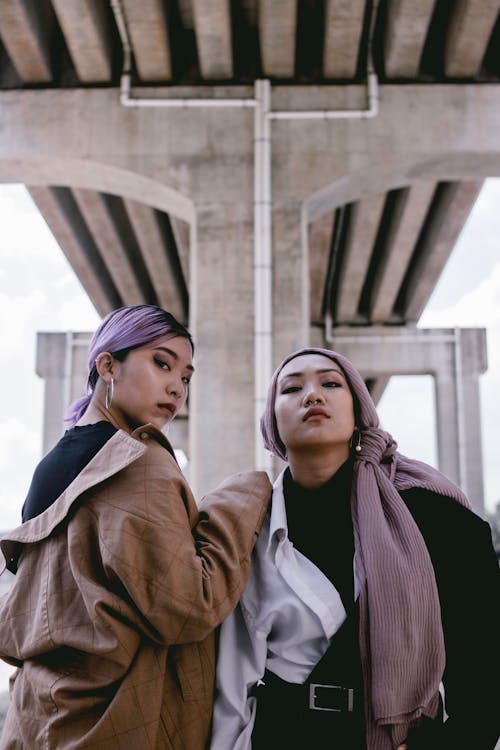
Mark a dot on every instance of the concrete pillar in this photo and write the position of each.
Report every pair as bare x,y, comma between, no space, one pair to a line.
61,360
290,279
221,313
447,427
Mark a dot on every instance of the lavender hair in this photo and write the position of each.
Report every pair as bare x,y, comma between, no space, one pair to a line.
121,331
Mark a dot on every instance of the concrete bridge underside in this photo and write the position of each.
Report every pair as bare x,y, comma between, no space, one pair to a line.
269,213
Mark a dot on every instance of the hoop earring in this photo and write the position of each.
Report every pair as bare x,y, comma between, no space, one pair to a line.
110,392
358,446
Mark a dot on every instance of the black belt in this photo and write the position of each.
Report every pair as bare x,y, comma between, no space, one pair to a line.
313,696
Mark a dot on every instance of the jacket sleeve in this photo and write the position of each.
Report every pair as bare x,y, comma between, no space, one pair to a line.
240,664
181,571
468,580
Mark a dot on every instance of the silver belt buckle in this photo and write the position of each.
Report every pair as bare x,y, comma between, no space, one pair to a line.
312,697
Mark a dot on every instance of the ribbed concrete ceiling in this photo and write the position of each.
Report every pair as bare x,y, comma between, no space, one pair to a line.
76,42
372,261
124,252
377,260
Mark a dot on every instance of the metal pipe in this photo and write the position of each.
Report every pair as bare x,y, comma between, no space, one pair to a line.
262,264
121,23
127,100
336,114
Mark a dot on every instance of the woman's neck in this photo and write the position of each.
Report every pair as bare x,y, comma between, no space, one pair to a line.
97,413
311,470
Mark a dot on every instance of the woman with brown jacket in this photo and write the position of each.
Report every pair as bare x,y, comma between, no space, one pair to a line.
120,577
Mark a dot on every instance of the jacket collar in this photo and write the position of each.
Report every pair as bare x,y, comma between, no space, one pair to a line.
118,452
278,525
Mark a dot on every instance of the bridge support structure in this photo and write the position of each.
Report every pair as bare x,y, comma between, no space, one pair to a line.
455,358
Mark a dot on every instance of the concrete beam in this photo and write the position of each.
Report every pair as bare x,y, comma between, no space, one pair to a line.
441,233
85,24
343,27
467,36
406,30
277,34
212,23
147,231
108,240
64,231
148,29
409,217
378,388
365,220
320,241
25,31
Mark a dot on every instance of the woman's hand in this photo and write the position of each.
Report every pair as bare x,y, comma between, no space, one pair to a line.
402,747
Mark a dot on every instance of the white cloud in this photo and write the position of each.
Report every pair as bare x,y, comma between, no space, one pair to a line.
17,315
18,456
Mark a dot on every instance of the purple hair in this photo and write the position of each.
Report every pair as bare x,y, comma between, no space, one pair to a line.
121,331
364,408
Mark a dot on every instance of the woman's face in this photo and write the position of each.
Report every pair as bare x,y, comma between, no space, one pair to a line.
314,406
151,384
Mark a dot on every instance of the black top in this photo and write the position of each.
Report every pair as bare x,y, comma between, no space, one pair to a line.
329,544
62,464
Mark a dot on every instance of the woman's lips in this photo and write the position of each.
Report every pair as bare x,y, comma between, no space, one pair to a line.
170,408
315,412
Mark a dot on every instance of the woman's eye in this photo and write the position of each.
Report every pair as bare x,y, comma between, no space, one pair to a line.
186,380
291,389
161,363
331,384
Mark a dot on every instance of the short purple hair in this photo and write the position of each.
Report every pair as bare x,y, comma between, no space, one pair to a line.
121,331
364,408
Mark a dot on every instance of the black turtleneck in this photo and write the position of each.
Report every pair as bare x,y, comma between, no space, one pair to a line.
320,526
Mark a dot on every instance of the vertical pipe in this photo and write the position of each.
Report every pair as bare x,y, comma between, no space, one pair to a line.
459,391
262,264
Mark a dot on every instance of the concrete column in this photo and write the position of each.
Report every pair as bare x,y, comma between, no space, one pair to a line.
221,314
61,360
290,279
471,352
447,426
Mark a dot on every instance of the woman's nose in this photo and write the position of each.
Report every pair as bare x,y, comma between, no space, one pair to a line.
313,397
173,388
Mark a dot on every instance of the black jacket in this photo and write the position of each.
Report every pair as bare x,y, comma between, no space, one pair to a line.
468,581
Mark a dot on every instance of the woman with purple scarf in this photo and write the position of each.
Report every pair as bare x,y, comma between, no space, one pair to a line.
371,617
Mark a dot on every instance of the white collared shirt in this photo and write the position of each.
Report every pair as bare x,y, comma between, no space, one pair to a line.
284,622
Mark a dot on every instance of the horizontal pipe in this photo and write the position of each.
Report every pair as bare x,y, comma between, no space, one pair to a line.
127,100
336,114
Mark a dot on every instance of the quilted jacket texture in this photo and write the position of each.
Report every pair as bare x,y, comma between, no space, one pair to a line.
119,586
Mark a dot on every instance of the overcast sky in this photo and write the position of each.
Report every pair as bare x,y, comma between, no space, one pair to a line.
39,292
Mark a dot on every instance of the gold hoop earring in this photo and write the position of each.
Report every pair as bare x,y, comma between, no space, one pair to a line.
110,392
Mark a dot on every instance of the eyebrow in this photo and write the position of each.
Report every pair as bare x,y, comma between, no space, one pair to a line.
318,372
172,354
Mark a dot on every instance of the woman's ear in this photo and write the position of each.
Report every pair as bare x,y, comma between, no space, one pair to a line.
105,365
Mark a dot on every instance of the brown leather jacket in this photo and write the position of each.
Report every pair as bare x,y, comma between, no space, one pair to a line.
119,586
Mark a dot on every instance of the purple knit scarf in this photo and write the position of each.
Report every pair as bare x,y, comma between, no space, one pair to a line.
401,635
